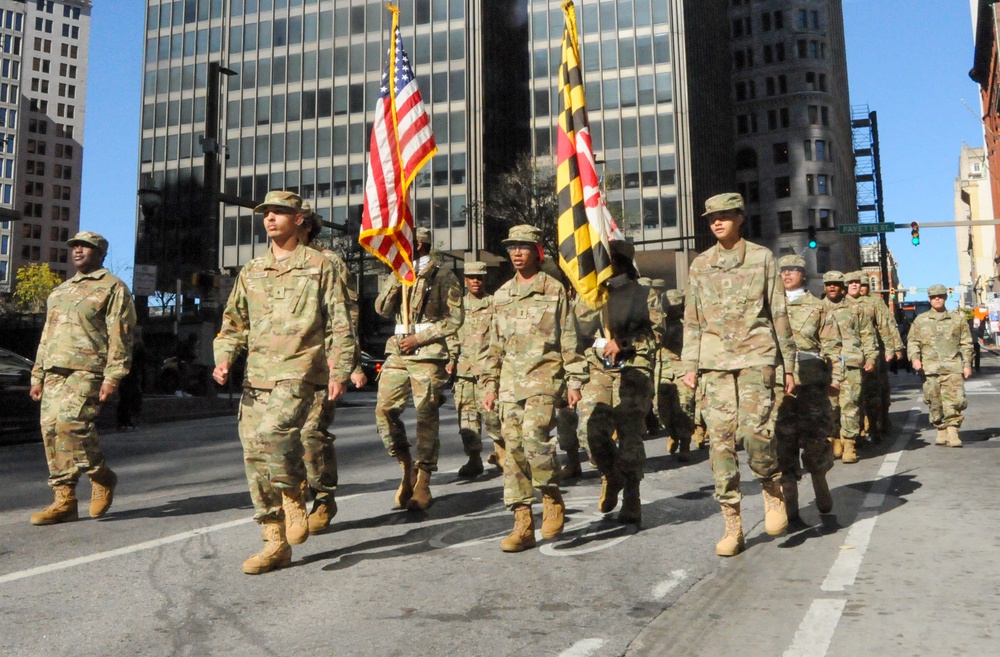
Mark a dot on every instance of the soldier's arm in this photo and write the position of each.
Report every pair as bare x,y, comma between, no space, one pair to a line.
37,373
121,326
869,346
779,318
232,337
490,375
913,346
449,294
574,364
832,346
390,297
656,318
690,351
965,344
339,339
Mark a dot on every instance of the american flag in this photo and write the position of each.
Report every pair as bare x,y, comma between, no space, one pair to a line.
401,144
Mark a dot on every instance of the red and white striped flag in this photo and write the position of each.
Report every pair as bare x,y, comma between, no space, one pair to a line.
401,144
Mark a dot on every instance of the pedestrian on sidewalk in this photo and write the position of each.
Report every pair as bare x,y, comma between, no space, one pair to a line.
940,347
84,353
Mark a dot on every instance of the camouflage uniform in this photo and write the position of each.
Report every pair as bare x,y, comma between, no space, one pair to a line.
533,358
941,340
86,342
291,316
736,332
435,305
676,399
872,401
471,346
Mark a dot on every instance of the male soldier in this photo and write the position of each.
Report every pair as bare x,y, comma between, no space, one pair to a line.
676,399
803,418
621,353
940,347
889,347
654,422
859,354
735,333
897,352
85,352
470,347
286,309
532,361
319,452
415,362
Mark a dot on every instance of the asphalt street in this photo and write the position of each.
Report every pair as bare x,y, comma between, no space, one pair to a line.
907,565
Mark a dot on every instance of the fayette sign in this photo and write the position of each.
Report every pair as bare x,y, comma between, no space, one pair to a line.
866,229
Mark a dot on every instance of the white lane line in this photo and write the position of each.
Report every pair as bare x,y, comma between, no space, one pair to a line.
661,590
583,648
812,638
130,549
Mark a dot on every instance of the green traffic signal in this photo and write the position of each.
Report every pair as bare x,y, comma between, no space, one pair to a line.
812,237
915,233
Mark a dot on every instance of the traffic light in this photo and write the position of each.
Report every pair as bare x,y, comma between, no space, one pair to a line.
812,237
950,291
915,233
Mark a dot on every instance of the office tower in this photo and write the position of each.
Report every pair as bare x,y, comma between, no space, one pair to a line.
43,74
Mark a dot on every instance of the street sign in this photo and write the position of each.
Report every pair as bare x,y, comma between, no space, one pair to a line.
144,280
866,229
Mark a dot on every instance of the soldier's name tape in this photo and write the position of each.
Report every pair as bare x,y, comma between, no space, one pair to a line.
410,329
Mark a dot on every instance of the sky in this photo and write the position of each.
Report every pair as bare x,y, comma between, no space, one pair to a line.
908,60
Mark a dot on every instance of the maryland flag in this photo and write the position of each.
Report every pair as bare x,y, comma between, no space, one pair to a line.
584,221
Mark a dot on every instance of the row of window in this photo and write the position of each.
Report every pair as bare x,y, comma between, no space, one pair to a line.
609,54
59,192
65,49
804,49
68,31
8,117
779,118
58,213
6,167
8,93
605,17
37,168
805,19
778,85
10,69
10,44
819,217
37,147
11,20
34,231
41,127
815,184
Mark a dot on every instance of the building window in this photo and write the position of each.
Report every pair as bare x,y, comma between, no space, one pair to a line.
821,152
785,224
782,187
825,218
823,185
780,151
810,184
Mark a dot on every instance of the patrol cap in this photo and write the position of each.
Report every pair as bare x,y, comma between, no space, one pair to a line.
523,234
675,297
475,268
622,247
90,239
833,276
645,280
723,202
937,291
791,262
281,199
866,280
852,276
313,222
658,284
423,234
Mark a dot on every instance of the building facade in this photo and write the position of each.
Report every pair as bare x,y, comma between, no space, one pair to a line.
976,243
43,78
794,156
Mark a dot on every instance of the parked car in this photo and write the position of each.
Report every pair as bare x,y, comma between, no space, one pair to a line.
371,366
19,414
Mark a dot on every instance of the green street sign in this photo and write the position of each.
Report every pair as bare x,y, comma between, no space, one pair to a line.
866,229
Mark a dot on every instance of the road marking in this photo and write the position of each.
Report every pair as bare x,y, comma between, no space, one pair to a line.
583,648
661,590
812,638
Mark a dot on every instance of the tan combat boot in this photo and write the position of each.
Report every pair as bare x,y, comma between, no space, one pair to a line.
405,491
103,484
631,511
775,514
699,438
276,553
322,513
296,518
790,491
62,509
953,439
553,512
572,469
498,456
942,437
849,456
672,445
611,484
523,535
421,499
824,501
838,447
732,542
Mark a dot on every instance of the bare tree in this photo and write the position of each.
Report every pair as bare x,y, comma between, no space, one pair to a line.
524,195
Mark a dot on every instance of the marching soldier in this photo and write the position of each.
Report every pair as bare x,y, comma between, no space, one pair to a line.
84,353
676,399
897,350
940,347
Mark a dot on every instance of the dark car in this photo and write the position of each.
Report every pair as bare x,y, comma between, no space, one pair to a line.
18,413
371,366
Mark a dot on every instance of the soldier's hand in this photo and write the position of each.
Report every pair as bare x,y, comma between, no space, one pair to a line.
36,392
689,379
106,391
889,356
833,390
611,350
221,374
449,368
869,367
573,397
359,380
917,365
334,390
489,401
409,344
966,372
789,384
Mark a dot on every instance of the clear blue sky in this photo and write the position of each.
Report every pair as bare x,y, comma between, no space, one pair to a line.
908,60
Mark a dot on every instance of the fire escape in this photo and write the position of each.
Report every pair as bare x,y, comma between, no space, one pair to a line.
868,178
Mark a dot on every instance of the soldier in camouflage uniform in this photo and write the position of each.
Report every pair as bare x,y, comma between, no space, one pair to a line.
533,361
677,400
859,354
621,354
469,348
286,309
736,333
940,348
897,351
804,418
319,451
85,351
415,363
889,347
